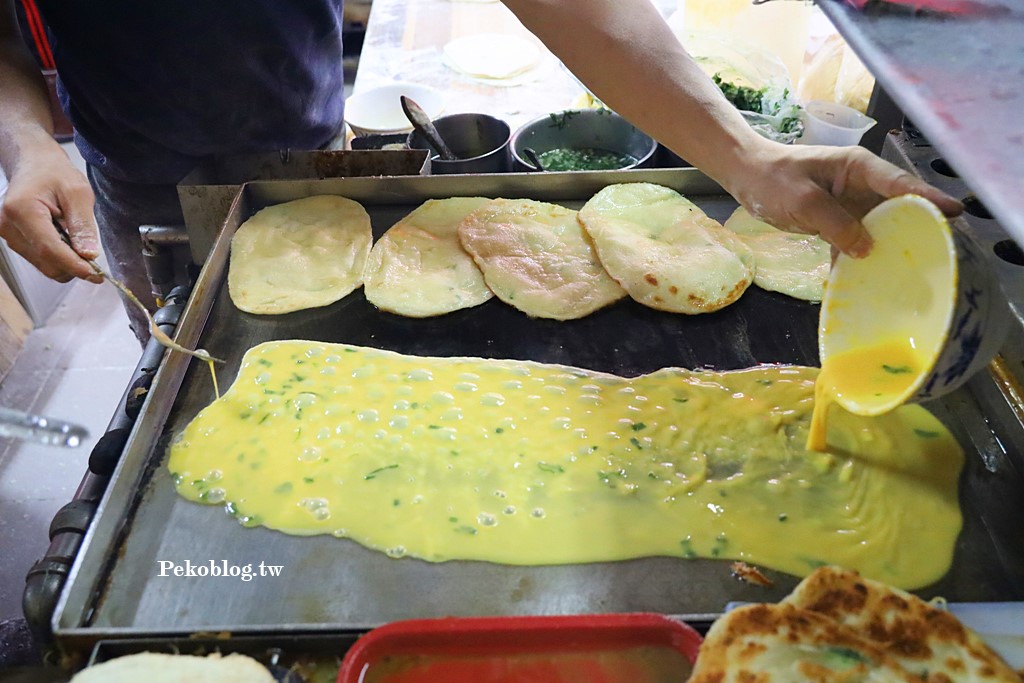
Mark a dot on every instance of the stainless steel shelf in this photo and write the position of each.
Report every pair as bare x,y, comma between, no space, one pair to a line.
960,79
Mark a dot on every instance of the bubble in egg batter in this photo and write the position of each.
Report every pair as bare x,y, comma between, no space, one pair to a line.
538,513
369,415
419,375
442,398
486,519
468,387
215,496
492,400
396,552
311,454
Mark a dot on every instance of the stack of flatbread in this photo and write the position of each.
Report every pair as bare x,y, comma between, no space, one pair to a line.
838,626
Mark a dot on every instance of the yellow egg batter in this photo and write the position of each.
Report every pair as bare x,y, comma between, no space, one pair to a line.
523,463
873,378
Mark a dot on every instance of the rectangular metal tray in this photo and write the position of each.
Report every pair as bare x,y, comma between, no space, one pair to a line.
337,585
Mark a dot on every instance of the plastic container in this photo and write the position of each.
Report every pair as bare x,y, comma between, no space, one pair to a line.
606,648
828,123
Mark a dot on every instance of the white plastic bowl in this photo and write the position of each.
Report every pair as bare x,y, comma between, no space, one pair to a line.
378,111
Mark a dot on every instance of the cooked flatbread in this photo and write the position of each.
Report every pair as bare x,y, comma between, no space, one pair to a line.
536,257
664,250
491,56
785,643
785,262
926,641
153,667
301,254
418,268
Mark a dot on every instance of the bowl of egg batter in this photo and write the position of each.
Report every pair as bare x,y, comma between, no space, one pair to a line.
914,319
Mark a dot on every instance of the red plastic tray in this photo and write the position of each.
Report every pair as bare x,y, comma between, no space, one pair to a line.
603,648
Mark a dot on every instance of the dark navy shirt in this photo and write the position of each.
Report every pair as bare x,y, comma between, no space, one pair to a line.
153,86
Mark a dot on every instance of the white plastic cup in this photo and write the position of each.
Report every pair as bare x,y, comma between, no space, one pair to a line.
828,123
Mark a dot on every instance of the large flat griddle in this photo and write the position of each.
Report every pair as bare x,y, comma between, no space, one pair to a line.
334,584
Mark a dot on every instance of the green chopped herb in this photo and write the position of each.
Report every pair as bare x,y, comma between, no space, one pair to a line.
296,377
308,480
847,657
636,442
681,400
396,502
453,520
765,382
264,361
433,426
897,369
783,517
926,434
466,530
688,552
549,467
286,487
264,418
499,430
638,426
373,474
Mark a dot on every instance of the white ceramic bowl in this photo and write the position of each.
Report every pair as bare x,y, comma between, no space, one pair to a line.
378,111
923,281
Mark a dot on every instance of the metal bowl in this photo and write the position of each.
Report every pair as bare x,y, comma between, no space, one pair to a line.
582,129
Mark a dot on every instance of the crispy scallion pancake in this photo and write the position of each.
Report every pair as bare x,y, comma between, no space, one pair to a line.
301,254
419,269
785,262
536,257
155,667
783,643
927,641
664,250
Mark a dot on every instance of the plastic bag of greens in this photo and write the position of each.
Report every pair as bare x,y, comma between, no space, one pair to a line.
771,110
754,79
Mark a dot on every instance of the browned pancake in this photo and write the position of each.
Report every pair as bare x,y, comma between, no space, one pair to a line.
927,641
768,643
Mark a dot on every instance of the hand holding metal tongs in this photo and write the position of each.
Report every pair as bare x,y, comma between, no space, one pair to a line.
155,330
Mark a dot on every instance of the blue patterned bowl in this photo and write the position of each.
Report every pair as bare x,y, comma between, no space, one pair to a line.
927,286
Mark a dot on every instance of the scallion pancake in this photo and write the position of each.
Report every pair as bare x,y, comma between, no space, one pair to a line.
664,250
419,269
536,257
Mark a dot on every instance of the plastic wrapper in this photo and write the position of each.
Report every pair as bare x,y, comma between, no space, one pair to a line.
745,65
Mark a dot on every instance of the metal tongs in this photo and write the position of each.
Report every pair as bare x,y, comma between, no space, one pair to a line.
44,430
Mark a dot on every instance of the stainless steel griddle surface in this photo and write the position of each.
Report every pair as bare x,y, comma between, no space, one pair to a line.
334,583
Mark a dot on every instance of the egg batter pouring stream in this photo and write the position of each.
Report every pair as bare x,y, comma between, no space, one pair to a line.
523,463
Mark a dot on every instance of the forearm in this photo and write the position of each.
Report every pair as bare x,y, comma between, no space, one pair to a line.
26,124
630,59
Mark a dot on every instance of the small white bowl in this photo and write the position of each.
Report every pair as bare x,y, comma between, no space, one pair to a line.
924,282
378,111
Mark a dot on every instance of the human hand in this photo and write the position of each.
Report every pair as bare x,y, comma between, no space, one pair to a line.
825,190
44,187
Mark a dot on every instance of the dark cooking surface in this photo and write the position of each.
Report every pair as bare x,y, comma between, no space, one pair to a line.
328,582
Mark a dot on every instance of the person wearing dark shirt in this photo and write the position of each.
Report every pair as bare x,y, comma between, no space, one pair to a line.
153,88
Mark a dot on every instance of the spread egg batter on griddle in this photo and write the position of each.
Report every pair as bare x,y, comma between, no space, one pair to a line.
523,463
